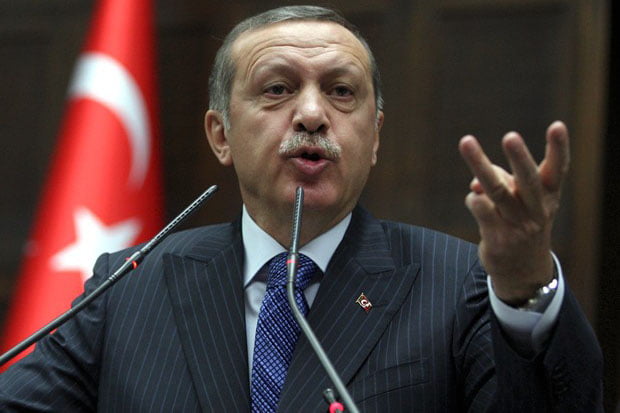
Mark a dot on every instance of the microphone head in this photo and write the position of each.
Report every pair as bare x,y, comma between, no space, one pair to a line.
296,227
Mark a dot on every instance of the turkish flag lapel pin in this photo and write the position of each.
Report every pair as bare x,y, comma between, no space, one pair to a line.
364,302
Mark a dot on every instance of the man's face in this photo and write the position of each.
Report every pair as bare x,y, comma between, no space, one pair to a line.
302,113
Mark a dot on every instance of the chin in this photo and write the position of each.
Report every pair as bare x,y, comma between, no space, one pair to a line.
328,203
322,197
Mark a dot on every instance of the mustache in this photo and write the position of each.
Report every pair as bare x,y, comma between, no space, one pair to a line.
303,139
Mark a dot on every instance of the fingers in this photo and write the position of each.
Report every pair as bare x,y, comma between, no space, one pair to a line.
483,209
481,167
515,212
527,179
530,183
475,186
492,180
554,167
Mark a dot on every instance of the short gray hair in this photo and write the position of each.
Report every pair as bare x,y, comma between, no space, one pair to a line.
223,72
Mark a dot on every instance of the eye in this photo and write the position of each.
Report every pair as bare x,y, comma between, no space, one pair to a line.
342,91
277,90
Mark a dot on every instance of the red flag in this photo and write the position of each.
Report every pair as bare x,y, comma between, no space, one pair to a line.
103,192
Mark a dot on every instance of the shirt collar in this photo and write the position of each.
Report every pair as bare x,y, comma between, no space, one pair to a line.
259,247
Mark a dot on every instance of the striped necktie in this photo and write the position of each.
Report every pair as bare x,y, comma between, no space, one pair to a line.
277,332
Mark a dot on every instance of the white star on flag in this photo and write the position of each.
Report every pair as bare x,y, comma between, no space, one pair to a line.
93,239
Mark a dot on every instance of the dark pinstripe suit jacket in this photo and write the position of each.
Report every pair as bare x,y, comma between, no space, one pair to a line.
170,337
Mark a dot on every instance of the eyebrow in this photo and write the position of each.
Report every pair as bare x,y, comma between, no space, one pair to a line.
281,66
349,68
277,66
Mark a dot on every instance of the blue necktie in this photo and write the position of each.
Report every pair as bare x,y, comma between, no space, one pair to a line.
277,332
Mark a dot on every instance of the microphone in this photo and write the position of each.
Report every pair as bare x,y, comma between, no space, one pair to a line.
291,266
130,264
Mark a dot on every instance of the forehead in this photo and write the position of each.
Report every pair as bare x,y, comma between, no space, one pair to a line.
314,40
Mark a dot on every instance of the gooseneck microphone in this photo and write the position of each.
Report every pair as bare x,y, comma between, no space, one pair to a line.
130,264
291,266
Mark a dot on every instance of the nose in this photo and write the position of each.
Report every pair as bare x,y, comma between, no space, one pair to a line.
310,111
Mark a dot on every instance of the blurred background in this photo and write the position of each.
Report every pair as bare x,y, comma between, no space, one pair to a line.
449,68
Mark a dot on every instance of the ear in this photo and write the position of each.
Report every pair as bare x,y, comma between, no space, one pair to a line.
216,135
375,148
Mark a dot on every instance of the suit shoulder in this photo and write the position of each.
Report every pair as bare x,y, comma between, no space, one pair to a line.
183,241
403,228
201,242
424,241
199,234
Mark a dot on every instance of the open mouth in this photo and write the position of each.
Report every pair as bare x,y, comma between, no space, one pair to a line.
311,156
310,162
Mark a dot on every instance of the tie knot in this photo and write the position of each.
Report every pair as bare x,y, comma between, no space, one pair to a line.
306,268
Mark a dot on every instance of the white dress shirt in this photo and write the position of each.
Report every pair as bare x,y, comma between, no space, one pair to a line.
259,248
527,329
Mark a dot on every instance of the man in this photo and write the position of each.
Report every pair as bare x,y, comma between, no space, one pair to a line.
295,101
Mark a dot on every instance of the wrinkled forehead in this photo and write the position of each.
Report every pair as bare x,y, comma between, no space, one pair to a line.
305,38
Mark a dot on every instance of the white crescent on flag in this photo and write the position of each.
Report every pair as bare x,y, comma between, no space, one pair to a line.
102,78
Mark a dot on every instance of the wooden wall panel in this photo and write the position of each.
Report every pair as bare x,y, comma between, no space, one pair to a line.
189,164
38,45
449,67
487,67
20,138
496,71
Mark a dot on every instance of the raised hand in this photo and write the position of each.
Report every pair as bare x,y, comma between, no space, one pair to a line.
515,212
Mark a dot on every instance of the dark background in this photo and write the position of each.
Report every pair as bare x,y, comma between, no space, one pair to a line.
450,67
608,326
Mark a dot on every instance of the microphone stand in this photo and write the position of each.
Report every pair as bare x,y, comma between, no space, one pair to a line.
291,265
130,264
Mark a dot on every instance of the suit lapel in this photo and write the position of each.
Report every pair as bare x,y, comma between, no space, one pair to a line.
362,264
206,290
